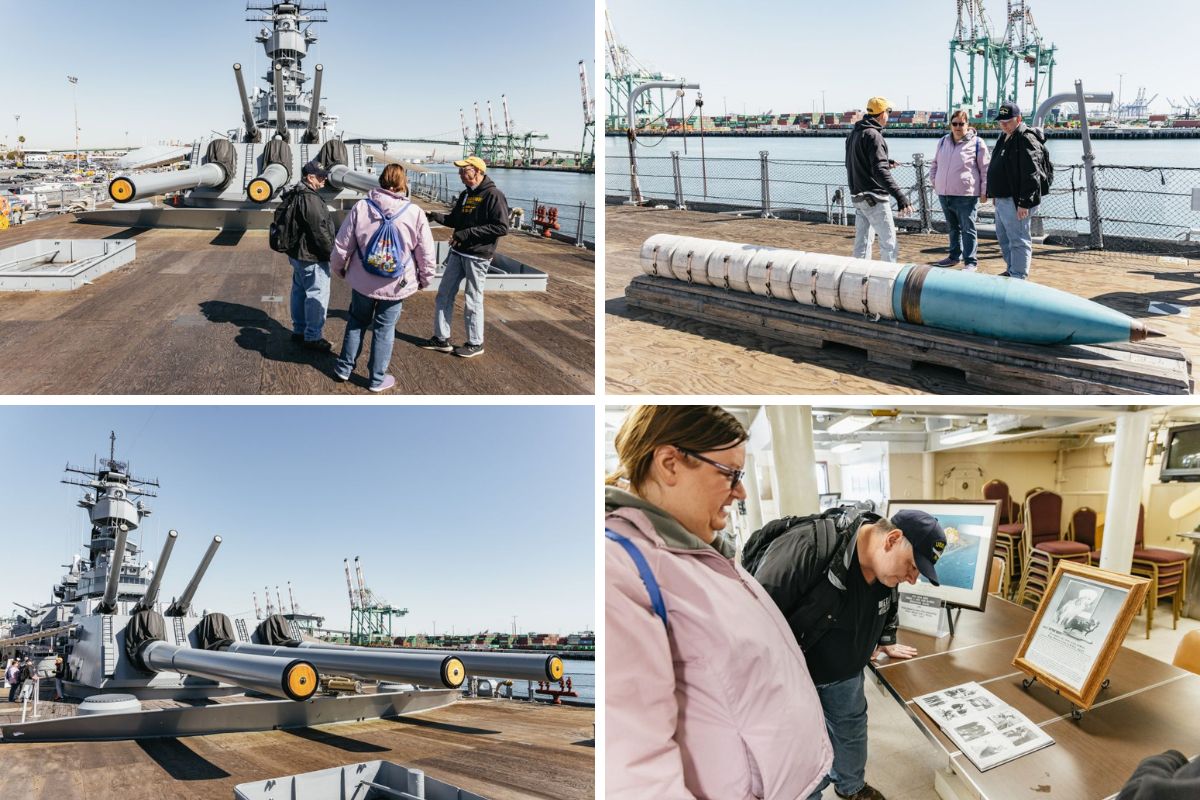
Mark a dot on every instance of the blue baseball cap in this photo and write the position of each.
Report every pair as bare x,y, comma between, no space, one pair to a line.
925,534
1008,111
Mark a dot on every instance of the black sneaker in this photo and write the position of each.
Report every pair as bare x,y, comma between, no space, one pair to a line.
469,350
297,338
434,343
321,345
867,792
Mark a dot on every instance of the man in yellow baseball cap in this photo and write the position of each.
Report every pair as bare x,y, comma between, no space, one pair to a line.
479,217
869,173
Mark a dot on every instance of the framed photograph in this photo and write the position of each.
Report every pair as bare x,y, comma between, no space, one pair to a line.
966,564
1078,626
827,500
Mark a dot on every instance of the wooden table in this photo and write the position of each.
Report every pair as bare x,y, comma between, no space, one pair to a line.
1150,706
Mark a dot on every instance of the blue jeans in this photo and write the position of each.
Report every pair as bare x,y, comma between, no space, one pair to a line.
869,220
845,708
960,219
473,270
310,297
1016,242
381,317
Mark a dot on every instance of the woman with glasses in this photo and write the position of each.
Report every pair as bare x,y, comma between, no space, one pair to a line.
708,693
959,173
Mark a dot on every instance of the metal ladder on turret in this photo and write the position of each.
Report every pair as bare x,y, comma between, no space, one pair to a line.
108,646
248,169
243,634
180,634
194,159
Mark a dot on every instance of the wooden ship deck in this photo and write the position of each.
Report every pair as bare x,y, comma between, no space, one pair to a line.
501,749
206,312
648,352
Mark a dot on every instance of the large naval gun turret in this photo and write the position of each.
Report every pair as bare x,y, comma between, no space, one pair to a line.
123,644
234,182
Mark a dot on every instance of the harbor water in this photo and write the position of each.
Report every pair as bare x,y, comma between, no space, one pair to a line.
583,680
1144,186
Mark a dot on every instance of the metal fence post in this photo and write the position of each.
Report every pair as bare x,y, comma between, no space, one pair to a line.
1096,236
678,181
926,213
765,184
579,229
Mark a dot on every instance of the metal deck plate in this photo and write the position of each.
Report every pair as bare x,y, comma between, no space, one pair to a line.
58,265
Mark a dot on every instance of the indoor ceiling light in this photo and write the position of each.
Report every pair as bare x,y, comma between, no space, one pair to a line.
845,447
849,423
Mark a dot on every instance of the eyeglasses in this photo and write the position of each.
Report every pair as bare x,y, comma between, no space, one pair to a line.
735,475
957,124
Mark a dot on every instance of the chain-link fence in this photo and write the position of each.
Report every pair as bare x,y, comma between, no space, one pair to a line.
1136,203
576,222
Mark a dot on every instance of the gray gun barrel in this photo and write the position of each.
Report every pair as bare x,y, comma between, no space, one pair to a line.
296,679
247,115
268,182
147,602
280,113
342,177
515,666
128,188
426,669
108,604
179,607
311,136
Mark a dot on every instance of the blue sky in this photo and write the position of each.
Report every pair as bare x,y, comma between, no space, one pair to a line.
780,56
163,69
464,515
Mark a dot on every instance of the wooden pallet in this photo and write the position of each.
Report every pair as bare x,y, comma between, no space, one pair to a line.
1008,367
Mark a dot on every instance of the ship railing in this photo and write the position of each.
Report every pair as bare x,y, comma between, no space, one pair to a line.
28,206
576,220
1142,208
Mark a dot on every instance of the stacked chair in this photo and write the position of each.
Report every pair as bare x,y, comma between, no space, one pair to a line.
1166,569
1008,532
1045,545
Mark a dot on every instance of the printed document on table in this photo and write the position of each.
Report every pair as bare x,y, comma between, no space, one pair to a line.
987,730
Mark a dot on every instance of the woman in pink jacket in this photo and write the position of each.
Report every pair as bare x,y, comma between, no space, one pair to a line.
959,175
375,300
707,694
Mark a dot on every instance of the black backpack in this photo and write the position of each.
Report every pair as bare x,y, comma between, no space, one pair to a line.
285,225
840,519
1042,162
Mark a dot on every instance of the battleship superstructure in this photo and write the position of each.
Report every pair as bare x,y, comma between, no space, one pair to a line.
123,645
233,181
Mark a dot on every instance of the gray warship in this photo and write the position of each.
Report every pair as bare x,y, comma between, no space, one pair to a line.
141,667
234,180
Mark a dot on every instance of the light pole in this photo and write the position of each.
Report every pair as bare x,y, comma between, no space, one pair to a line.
17,117
75,102
1120,80
823,111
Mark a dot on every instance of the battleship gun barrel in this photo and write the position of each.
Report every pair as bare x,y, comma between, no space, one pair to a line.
280,113
966,302
179,607
151,595
426,669
108,604
342,177
515,666
296,679
311,135
269,181
128,188
247,115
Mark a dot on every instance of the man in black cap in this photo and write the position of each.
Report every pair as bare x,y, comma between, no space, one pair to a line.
309,256
1013,184
837,587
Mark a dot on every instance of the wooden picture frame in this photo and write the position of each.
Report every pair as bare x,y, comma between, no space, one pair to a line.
1063,648
969,568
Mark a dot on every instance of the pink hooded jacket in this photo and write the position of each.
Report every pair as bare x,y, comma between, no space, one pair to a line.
960,170
720,705
360,225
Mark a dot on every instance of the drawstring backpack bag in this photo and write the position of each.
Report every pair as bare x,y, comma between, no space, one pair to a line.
386,255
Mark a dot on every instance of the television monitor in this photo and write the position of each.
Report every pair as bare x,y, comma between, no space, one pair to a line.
1181,459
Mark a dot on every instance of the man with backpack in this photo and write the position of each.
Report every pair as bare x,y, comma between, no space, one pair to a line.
306,233
835,576
479,217
1017,177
